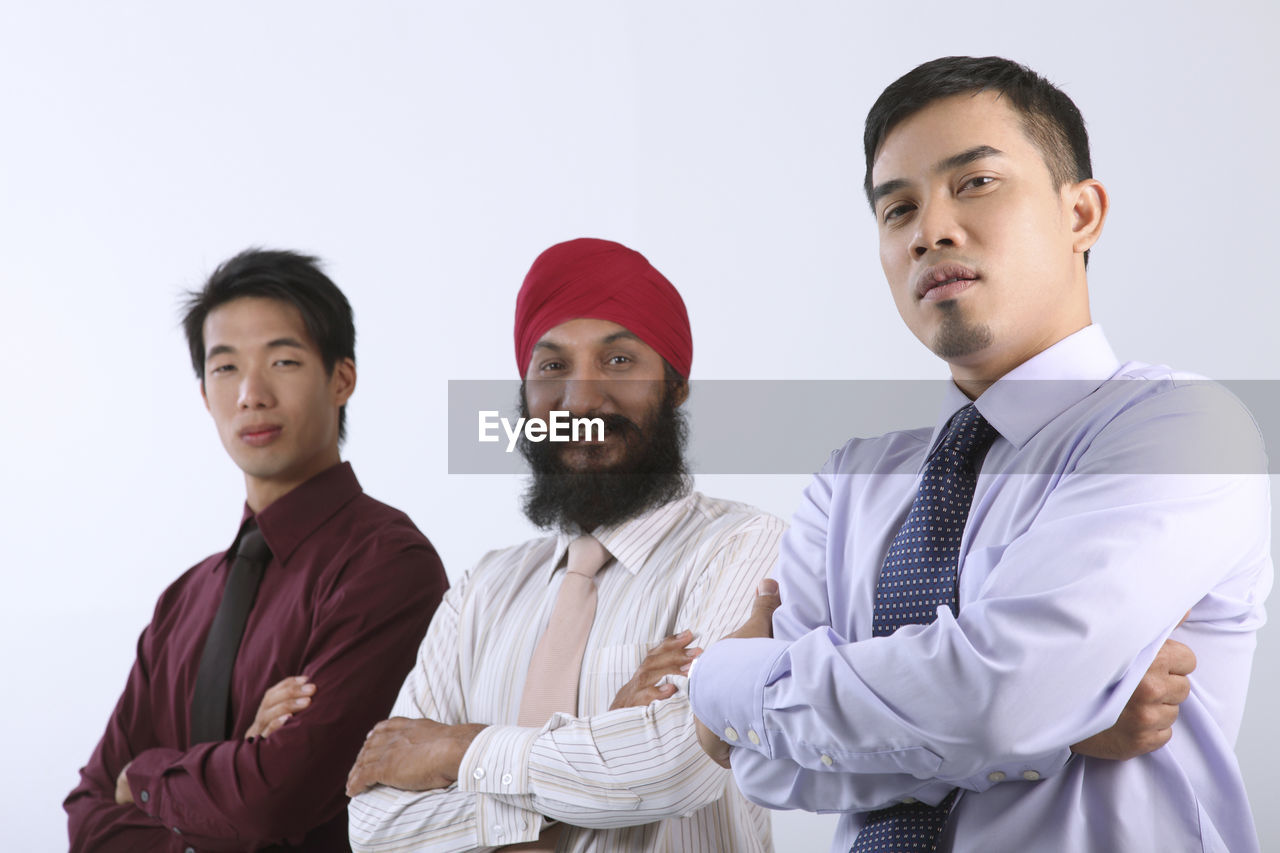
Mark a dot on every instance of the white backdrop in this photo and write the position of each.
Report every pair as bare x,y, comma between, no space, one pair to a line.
428,151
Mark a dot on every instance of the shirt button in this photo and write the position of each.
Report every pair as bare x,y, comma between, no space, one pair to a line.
177,831
497,830
478,774
144,797
730,732
826,759
189,850
753,737
996,776
506,778
1031,775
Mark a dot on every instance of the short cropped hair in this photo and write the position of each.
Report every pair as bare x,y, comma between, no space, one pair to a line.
1049,118
288,277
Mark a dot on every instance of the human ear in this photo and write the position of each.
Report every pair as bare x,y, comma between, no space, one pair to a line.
680,393
343,380
1089,205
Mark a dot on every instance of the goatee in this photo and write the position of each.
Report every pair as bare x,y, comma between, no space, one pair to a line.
651,473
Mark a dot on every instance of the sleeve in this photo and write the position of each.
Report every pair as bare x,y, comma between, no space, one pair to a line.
444,820
1070,615
631,765
232,794
95,823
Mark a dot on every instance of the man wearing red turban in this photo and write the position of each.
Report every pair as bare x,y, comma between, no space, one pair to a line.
548,708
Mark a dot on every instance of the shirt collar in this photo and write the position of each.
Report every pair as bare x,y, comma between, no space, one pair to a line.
297,514
1019,408
633,541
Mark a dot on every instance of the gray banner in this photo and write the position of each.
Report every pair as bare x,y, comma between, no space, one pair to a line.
791,426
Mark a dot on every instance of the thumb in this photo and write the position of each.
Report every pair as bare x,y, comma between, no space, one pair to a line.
768,597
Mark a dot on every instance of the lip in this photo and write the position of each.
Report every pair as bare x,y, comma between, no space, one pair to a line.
943,281
260,435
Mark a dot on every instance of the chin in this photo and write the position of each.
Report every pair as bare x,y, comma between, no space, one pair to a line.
591,458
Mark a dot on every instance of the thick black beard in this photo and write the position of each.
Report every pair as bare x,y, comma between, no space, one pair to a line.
650,474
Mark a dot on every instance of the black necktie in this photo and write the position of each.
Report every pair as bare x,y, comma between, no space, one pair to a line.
211,702
917,577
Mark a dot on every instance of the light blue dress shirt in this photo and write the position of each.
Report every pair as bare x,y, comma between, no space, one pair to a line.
1116,499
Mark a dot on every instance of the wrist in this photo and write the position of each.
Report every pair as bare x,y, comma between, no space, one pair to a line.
461,737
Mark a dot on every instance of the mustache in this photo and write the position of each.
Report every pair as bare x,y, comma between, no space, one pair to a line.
614,424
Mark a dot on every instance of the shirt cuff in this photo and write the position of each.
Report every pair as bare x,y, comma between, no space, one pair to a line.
144,775
497,762
1029,771
726,690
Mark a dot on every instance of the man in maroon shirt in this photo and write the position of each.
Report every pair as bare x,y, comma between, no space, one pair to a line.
347,588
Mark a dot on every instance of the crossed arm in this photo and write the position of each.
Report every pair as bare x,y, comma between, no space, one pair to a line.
1145,724
1062,649
635,763
138,789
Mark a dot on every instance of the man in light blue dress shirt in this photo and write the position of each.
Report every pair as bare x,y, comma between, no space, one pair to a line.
1120,505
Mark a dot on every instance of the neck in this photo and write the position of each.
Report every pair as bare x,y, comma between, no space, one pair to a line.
262,492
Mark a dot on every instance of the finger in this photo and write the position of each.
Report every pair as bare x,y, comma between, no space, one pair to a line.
275,724
1179,659
1177,689
268,713
767,594
670,663
653,694
671,644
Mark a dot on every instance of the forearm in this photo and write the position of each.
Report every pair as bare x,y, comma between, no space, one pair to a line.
783,784
387,820
96,824
620,768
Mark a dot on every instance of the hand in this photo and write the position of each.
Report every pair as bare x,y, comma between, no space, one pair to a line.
412,755
712,745
124,795
284,699
670,657
758,624
1146,723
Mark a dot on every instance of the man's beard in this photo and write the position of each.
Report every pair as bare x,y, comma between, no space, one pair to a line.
651,473
957,337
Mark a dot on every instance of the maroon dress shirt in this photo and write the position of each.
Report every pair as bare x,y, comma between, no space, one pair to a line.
345,600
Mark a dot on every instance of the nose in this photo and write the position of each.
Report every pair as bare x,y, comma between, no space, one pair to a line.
583,395
255,391
936,227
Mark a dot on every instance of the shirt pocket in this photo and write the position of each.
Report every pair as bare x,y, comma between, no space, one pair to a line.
604,671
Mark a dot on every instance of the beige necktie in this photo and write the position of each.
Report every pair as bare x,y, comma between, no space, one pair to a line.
552,683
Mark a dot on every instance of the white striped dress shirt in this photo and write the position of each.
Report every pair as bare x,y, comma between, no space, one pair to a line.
633,779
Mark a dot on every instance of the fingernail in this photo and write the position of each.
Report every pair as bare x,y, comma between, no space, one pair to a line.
308,688
300,679
685,668
768,586
298,703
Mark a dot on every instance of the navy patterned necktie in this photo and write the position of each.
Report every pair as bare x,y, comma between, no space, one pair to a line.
917,577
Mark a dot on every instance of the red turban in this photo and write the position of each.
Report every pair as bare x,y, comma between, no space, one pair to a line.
602,280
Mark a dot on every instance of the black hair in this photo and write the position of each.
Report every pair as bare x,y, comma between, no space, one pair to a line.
289,277
1049,118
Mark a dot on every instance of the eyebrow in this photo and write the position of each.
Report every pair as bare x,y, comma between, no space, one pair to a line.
223,349
946,164
606,340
